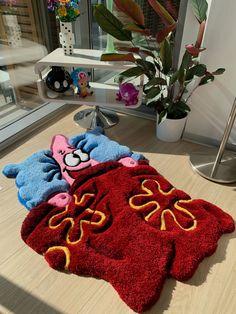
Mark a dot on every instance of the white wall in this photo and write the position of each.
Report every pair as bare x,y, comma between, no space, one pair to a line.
211,103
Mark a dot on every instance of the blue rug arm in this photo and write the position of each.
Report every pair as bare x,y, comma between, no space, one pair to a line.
37,178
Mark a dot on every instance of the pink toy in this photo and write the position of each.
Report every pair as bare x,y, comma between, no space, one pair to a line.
81,81
71,160
128,94
128,162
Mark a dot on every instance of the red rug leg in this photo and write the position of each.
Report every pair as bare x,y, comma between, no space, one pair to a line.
128,226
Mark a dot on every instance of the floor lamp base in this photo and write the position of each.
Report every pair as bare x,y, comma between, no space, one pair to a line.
203,162
92,118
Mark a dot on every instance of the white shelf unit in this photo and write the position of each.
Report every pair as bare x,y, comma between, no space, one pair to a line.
104,93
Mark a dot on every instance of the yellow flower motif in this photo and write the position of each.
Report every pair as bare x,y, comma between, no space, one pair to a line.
77,12
62,11
64,1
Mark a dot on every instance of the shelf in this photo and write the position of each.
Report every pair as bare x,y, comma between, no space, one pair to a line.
104,93
85,58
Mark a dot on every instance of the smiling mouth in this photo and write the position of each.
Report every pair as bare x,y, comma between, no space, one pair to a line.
75,173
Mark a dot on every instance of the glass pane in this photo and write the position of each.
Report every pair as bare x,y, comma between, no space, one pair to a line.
152,21
27,33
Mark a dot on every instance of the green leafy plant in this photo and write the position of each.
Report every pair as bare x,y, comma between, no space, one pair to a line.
167,88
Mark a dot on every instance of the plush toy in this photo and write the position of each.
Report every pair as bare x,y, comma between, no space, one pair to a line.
47,175
128,94
100,210
128,226
81,81
58,80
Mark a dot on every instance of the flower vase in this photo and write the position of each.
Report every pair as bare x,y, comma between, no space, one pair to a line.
13,30
67,38
110,45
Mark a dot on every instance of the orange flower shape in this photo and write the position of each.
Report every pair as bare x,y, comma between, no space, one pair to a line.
77,11
149,203
64,1
62,11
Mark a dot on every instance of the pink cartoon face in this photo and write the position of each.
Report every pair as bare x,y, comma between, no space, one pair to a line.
82,83
69,158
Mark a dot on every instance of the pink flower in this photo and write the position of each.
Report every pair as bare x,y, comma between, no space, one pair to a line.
194,51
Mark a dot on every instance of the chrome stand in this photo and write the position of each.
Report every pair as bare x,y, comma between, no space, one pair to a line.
221,168
91,118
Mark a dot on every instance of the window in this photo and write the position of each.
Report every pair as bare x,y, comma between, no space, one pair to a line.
27,33
153,22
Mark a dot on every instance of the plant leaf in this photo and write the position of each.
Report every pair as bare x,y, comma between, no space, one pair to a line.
174,77
148,66
207,79
182,106
194,51
184,66
118,57
130,49
200,34
137,29
162,34
166,56
157,65
110,24
153,93
132,9
153,96
218,71
177,110
200,9
171,7
197,70
147,52
156,81
162,12
162,116
132,72
136,50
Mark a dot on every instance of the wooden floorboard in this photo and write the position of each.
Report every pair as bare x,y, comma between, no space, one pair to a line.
28,285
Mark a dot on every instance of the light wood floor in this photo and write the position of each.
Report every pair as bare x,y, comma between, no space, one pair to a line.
28,285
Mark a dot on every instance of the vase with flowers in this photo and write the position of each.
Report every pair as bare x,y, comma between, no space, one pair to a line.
168,87
67,12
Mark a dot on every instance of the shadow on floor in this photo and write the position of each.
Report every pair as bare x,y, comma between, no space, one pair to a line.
208,263
163,303
198,278
123,132
19,301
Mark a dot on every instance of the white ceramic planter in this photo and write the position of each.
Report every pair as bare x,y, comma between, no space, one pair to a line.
67,38
170,130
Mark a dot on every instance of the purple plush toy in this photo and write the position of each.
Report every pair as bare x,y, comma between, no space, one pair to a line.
128,94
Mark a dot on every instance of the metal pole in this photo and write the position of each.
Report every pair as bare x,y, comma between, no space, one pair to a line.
225,138
217,164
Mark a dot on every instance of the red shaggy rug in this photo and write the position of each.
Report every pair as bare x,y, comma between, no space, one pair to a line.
128,226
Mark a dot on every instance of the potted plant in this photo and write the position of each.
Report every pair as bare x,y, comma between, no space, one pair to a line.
167,87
